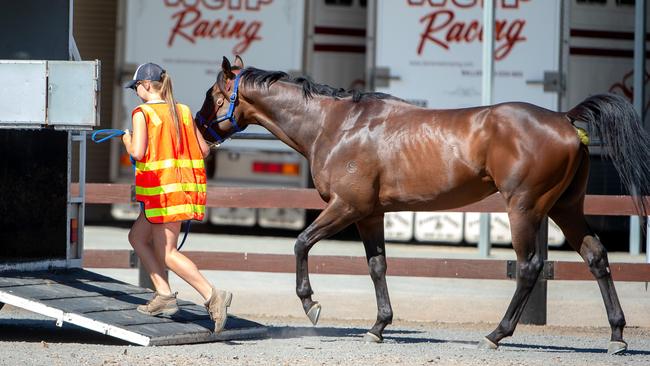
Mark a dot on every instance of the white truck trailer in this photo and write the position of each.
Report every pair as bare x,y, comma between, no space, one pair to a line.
189,38
551,53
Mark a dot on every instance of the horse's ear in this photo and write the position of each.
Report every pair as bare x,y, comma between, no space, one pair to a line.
227,68
238,62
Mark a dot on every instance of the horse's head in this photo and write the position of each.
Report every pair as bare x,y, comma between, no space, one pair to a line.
220,115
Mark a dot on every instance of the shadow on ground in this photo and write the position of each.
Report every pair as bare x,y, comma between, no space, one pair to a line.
562,349
35,330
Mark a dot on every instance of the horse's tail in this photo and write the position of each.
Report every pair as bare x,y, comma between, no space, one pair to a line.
622,138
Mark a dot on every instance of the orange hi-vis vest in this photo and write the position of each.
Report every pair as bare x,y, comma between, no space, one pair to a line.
170,179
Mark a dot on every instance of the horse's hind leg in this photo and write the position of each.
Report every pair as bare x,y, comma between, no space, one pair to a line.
335,217
371,230
568,214
524,225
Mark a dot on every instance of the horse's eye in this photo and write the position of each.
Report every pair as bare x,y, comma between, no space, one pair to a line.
220,102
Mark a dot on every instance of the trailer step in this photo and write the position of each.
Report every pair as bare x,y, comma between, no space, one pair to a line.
108,306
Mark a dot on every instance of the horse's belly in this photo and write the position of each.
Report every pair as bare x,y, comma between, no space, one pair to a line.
432,197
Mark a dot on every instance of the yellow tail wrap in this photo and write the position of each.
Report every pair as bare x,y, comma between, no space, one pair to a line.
582,134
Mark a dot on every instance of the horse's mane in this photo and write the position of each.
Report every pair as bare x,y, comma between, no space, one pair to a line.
262,78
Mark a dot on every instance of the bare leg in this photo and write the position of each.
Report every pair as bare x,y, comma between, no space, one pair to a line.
336,216
524,226
372,233
141,239
165,239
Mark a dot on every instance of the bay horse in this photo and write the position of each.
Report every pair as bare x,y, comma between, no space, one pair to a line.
371,153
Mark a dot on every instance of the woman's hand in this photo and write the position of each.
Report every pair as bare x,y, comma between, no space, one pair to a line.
126,139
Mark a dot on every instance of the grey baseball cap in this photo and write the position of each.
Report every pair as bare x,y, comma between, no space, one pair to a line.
148,71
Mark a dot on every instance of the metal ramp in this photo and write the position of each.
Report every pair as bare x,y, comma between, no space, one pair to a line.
108,306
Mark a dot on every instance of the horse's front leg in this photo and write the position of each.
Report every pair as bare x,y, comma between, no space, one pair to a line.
335,217
371,230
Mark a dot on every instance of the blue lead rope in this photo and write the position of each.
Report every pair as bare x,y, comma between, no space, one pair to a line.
107,134
187,231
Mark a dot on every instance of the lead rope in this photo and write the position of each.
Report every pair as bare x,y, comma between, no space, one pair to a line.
109,134
187,231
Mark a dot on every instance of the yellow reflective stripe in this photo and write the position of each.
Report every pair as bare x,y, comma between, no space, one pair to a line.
175,210
170,188
152,114
169,163
185,112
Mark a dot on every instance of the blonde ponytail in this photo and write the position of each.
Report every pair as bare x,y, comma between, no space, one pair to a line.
167,92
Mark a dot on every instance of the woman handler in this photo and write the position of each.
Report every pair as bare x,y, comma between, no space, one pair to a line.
171,185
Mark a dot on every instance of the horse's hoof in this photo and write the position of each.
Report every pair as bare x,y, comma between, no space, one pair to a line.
314,313
616,347
372,338
485,343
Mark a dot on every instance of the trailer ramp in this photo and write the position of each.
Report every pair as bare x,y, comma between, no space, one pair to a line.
108,306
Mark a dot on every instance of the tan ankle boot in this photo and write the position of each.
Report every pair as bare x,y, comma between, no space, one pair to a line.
217,307
160,304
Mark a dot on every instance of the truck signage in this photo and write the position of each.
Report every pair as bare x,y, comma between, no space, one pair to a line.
436,58
189,37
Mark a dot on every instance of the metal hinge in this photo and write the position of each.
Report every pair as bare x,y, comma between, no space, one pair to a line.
548,272
552,82
98,75
511,269
133,259
382,77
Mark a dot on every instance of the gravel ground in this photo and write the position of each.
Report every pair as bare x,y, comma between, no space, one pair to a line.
30,339
432,318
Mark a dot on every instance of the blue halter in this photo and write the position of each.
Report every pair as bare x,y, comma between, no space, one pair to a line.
230,115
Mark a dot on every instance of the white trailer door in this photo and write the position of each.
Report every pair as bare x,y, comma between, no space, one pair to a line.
429,51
